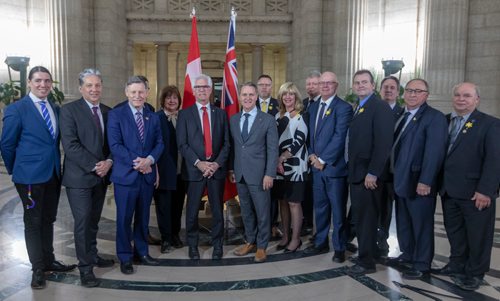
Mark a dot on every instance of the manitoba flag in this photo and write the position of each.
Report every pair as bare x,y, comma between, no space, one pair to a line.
229,95
193,68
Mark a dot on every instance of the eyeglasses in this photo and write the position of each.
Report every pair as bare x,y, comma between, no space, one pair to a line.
416,91
330,83
201,87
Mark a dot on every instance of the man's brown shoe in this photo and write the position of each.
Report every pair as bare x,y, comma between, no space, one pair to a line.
245,249
260,256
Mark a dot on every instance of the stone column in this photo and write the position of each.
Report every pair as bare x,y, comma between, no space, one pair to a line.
257,61
444,53
161,67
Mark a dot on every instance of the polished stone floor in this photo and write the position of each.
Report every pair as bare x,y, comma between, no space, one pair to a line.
283,277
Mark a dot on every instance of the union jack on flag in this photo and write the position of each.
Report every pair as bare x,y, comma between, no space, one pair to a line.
229,95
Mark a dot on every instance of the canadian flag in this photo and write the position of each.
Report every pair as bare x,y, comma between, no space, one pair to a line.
193,67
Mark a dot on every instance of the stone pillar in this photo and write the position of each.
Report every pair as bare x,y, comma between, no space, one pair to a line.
257,61
345,57
67,57
161,67
444,53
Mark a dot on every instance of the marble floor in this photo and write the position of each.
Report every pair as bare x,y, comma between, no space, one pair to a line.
283,277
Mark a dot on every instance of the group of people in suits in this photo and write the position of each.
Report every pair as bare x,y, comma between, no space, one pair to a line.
279,152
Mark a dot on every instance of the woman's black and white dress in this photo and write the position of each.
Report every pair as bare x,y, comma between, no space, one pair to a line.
292,133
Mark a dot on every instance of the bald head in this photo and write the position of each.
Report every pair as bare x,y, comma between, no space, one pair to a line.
328,84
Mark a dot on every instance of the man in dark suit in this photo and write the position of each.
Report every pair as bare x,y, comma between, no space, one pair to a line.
87,162
389,90
254,158
312,89
416,159
30,151
203,140
470,181
135,142
369,145
267,104
328,123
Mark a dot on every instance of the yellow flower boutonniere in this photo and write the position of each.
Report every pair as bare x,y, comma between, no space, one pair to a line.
361,110
467,126
328,112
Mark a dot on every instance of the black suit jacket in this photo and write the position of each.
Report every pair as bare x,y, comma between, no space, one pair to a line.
191,145
370,140
83,144
307,102
397,111
167,163
473,162
272,107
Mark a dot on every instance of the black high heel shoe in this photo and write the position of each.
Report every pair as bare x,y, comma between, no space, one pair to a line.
282,247
287,250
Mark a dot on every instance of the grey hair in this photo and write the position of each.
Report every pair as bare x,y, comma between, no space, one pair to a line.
135,80
88,72
314,73
476,88
205,77
249,84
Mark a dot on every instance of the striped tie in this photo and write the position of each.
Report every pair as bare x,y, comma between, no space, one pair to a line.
46,117
140,125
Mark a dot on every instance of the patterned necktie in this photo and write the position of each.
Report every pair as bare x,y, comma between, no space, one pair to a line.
140,125
455,128
244,131
207,138
46,117
95,116
263,106
320,115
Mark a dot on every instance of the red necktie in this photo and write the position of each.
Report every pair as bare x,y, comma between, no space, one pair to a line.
206,133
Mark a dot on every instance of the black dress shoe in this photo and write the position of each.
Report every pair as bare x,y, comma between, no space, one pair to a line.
357,270
88,279
153,240
468,283
448,270
38,279
338,256
165,247
104,263
217,254
177,242
398,262
287,250
57,266
127,268
413,274
315,250
148,260
194,253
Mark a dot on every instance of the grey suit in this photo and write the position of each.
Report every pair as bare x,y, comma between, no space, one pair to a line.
84,145
251,160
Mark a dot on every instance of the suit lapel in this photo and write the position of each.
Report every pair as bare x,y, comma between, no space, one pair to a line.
236,126
38,117
196,117
414,121
258,120
88,115
328,114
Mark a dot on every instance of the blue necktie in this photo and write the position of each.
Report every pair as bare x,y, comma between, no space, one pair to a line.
455,128
320,115
140,125
244,131
46,117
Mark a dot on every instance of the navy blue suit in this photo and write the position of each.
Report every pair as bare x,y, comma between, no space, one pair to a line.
329,185
32,157
422,146
133,190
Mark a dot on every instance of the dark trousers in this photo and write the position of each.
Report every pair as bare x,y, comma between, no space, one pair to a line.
415,228
470,232
86,205
168,205
39,220
308,204
132,202
215,189
330,201
384,222
365,206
